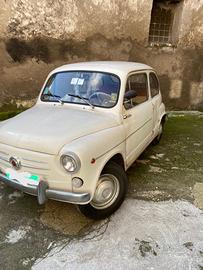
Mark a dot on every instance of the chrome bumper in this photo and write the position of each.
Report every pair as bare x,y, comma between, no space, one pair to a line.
43,192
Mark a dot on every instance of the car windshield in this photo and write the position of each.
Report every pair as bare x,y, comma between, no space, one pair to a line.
82,87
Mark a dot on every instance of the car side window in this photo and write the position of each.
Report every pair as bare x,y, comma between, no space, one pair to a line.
138,83
154,84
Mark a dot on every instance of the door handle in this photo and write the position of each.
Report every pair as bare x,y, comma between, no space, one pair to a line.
125,116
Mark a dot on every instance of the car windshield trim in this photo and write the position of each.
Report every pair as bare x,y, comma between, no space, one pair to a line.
81,103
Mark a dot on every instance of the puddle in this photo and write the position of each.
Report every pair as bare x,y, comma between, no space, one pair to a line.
13,197
64,217
155,169
16,235
160,155
153,157
197,144
145,248
154,195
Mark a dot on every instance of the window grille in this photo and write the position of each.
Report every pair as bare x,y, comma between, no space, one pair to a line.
161,25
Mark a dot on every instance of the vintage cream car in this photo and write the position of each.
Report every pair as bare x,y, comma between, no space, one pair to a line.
91,122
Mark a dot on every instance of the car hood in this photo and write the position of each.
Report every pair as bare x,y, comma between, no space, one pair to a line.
47,129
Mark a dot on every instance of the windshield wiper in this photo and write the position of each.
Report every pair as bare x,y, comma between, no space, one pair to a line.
58,98
86,100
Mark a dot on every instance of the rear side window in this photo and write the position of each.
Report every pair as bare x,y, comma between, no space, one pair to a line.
137,82
154,84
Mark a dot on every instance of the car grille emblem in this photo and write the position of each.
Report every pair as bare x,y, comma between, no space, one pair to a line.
15,162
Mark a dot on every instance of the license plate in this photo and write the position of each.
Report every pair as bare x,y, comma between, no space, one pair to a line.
24,178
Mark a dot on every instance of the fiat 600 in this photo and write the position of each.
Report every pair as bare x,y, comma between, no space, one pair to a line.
91,121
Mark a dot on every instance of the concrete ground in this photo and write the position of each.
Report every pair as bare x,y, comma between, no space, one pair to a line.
159,226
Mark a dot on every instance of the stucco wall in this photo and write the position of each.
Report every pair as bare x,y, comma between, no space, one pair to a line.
38,35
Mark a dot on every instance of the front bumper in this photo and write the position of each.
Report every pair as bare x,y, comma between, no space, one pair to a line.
43,192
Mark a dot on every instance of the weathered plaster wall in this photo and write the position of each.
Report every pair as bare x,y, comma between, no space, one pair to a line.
78,20
38,35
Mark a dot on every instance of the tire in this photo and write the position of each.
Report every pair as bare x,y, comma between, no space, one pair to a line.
113,179
158,137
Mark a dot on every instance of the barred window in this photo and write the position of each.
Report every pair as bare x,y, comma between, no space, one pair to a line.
164,16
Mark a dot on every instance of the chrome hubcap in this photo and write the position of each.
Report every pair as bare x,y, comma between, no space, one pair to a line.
107,191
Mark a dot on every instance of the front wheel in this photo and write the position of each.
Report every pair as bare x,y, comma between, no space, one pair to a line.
109,194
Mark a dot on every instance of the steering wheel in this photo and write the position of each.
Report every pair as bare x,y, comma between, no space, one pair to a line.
100,98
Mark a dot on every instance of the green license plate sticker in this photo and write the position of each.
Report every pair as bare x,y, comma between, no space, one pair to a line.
8,175
34,178
31,177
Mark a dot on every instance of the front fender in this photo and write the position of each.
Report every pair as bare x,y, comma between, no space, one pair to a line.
95,151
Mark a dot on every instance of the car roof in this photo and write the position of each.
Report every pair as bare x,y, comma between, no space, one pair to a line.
116,67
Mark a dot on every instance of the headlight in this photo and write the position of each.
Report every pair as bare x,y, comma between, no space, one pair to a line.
71,162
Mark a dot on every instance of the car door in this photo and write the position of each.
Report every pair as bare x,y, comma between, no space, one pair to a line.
137,114
155,97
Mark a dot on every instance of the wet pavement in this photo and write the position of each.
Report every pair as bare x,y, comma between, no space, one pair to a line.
158,227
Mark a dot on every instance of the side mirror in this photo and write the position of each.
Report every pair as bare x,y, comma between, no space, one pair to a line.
130,94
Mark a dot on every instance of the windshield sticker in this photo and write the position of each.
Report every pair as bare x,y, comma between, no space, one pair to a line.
74,81
77,81
80,81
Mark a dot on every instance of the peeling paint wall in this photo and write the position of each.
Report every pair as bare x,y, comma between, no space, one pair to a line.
38,35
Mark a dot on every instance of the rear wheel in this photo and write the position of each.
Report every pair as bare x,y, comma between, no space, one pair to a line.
109,194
